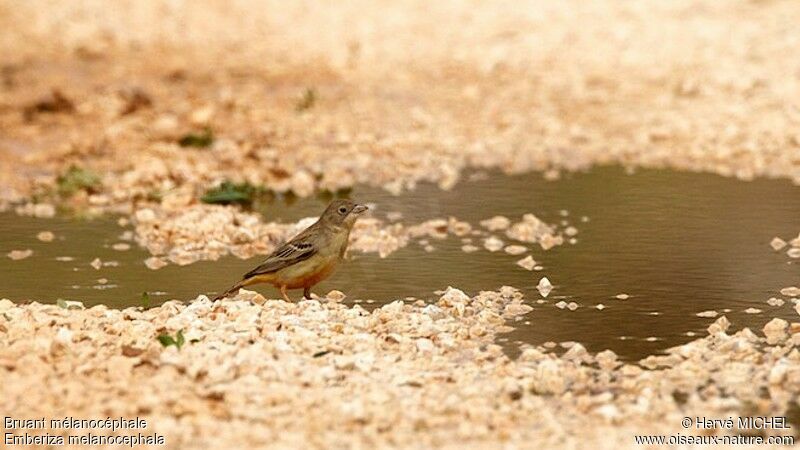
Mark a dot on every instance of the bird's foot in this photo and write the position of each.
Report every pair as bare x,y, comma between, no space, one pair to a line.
285,295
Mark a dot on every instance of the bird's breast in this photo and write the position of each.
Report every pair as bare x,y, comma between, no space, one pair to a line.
308,272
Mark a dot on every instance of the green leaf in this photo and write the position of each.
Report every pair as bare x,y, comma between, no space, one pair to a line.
180,339
166,340
77,179
198,140
228,192
145,300
62,303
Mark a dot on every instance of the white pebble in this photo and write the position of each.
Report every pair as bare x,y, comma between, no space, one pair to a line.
544,287
515,249
154,263
19,254
527,263
775,301
46,236
492,244
777,243
792,291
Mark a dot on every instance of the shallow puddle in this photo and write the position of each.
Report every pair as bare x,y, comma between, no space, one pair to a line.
676,243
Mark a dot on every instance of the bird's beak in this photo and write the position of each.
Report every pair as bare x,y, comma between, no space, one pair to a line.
358,209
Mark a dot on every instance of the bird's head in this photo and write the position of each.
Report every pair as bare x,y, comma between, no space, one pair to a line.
342,213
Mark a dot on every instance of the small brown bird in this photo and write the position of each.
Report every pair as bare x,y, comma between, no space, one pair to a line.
309,257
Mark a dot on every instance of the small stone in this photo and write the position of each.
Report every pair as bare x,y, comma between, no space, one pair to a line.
622,296
793,252
515,249
121,246
720,325
96,264
600,306
46,236
527,263
492,244
544,287
571,231
792,291
154,263
576,352
145,216
607,360
19,254
775,301
561,305
752,311
44,210
517,309
335,296
775,330
548,241
707,314
496,223
469,248
777,243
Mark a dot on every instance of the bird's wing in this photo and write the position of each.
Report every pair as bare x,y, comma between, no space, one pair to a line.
297,249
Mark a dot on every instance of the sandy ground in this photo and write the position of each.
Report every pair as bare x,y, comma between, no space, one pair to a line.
405,91
301,96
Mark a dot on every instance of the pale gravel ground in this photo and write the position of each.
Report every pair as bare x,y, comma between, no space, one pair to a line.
208,232
252,374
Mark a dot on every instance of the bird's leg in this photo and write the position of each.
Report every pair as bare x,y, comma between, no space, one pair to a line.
284,294
307,292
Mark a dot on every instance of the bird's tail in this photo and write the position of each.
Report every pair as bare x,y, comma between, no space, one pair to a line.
232,291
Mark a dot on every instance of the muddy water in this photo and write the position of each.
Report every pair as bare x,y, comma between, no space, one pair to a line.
677,243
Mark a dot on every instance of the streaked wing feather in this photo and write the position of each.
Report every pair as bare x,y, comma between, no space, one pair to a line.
292,252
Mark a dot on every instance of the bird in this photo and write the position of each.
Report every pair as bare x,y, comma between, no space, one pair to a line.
309,257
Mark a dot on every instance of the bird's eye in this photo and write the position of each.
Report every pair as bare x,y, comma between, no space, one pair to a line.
342,210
